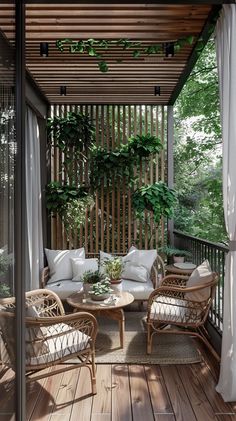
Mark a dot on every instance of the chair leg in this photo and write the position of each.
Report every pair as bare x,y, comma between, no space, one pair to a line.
93,375
149,338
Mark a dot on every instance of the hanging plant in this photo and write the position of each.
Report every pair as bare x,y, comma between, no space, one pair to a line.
73,135
93,47
69,202
120,162
58,195
142,146
157,198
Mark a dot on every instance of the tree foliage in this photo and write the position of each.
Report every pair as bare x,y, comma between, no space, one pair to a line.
198,152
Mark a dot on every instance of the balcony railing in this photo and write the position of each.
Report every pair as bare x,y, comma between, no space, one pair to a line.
216,254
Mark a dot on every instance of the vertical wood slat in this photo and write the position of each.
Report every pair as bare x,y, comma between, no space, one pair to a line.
124,186
140,179
111,225
97,193
129,189
108,187
135,174
102,187
113,199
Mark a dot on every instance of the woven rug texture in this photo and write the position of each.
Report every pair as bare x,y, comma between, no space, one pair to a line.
167,349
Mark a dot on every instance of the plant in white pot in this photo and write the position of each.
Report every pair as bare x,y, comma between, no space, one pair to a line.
91,278
113,269
178,255
101,290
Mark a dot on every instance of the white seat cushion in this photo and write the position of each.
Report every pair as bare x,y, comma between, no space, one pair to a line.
71,342
65,288
139,290
174,310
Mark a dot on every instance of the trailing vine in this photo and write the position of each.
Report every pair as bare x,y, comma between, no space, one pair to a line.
120,162
92,47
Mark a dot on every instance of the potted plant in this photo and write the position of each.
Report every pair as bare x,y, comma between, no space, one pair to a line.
178,255
91,278
113,268
101,290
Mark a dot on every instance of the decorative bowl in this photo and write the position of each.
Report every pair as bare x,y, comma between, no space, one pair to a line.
100,297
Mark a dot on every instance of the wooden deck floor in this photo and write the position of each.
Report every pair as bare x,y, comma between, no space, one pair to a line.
125,393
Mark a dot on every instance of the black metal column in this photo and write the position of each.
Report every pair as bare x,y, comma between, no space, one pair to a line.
19,212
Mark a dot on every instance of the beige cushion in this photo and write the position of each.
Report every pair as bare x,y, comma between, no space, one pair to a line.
201,275
59,263
171,309
34,336
80,266
70,342
144,258
135,272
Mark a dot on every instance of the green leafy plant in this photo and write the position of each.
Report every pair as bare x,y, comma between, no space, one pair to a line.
120,162
100,288
173,251
5,260
92,277
142,146
113,268
73,135
157,198
58,196
5,290
69,202
94,48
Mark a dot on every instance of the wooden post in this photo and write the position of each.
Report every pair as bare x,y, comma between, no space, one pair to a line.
170,165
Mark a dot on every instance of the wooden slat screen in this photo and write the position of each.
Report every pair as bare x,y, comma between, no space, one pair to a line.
111,225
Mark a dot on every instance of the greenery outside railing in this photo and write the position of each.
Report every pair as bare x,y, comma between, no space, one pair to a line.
216,254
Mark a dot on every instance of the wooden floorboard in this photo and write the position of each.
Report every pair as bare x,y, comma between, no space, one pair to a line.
121,400
125,393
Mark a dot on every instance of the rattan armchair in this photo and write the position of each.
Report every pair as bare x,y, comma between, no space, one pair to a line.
172,305
51,336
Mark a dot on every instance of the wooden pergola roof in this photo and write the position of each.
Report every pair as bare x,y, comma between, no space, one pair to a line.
130,81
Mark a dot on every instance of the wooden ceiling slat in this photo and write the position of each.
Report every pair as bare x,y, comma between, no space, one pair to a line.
129,81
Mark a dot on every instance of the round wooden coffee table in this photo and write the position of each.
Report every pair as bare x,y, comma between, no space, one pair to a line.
112,311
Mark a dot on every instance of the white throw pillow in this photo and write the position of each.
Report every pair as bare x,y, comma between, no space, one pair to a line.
144,258
80,266
103,258
59,263
135,272
201,275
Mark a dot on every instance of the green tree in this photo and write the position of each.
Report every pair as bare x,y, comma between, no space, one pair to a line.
198,152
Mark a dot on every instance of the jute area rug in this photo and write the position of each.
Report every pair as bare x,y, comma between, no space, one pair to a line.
167,349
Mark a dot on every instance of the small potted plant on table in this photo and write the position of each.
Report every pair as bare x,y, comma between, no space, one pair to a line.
101,290
91,278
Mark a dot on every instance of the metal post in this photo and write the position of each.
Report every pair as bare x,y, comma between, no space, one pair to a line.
19,212
170,165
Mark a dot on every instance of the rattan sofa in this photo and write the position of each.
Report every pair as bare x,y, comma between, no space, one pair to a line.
140,291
